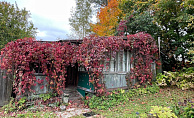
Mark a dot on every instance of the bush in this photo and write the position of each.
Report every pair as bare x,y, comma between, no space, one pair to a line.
162,112
183,79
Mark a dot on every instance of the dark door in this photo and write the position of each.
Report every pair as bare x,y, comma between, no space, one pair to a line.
72,75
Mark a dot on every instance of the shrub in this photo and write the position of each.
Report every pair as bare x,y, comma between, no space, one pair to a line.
183,79
162,112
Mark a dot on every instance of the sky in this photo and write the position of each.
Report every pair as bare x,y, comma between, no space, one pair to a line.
51,17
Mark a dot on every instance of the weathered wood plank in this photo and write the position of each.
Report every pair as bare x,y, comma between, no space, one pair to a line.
5,87
115,80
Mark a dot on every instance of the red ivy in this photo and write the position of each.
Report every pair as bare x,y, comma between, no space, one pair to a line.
21,56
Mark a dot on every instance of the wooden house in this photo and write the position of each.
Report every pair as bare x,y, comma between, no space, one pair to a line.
114,74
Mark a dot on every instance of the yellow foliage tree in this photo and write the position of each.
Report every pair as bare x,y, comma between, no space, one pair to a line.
107,18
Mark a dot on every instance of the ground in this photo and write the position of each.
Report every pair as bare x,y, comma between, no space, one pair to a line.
166,97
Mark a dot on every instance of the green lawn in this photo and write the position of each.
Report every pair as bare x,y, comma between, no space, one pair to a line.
166,97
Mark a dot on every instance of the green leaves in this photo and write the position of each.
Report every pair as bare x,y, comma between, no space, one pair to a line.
189,111
119,97
14,23
176,31
183,79
162,112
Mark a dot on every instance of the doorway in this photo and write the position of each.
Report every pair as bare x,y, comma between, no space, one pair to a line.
72,75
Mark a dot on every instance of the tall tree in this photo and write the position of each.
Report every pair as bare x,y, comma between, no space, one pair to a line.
138,18
14,23
135,23
175,18
107,18
80,18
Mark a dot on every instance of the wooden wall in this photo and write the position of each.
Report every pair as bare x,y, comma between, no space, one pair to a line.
113,80
5,87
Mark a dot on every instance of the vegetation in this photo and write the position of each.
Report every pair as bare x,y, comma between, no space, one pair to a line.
176,32
162,112
25,103
37,115
80,19
183,79
152,101
24,57
142,102
118,97
108,18
174,100
32,106
168,19
171,20
42,114
14,23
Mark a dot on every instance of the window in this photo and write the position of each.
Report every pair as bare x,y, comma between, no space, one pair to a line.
121,63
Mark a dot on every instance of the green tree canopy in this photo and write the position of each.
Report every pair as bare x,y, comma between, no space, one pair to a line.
139,23
138,17
171,20
14,23
175,20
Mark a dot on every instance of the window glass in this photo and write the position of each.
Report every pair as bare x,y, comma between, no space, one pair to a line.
121,63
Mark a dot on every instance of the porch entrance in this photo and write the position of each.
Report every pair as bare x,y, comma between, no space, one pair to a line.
72,76
79,79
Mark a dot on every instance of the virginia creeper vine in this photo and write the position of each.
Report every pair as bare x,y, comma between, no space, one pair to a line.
24,57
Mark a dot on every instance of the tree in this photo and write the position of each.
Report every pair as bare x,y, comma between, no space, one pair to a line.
139,17
175,20
80,18
172,20
138,23
100,2
108,18
136,6
14,23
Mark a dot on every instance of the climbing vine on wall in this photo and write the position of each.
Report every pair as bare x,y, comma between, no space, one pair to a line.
24,57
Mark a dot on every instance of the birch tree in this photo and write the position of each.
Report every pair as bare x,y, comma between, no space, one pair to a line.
80,18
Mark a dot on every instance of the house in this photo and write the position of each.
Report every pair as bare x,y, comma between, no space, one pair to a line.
114,72
83,61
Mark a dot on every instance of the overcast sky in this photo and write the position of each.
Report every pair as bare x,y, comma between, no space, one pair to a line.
49,16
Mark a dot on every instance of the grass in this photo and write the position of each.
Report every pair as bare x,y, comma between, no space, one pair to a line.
142,104
41,114
166,97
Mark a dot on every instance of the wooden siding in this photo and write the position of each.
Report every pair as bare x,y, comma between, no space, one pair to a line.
37,88
5,87
114,80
